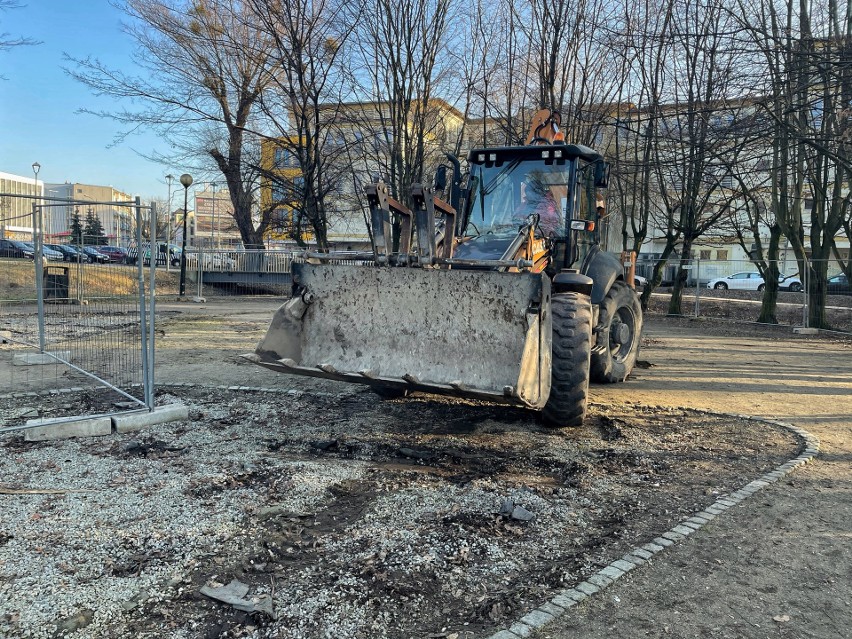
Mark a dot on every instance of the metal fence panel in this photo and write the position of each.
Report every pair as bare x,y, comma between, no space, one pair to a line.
73,320
734,290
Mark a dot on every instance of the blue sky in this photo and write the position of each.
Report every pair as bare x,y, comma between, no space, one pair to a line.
39,102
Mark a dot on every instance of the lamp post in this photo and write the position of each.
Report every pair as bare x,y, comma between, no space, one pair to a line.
169,179
186,181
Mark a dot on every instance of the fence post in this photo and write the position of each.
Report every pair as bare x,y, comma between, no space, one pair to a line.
199,286
697,286
140,280
152,287
807,291
39,274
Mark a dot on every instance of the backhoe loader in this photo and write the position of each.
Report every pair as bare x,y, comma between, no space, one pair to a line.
502,293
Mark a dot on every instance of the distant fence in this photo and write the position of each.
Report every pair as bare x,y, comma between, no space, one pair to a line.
734,290
74,323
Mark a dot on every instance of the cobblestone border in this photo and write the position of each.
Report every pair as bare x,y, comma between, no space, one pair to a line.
558,605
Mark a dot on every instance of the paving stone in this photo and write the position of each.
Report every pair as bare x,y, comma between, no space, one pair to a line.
587,588
692,524
644,553
663,541
521,629
552,609
623,566
504,634
634,559
609,572
564,602
53,429
699,519
686,531
536,619
673,536
599,580
576,595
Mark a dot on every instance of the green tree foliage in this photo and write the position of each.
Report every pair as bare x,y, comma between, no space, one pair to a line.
93,233
76,228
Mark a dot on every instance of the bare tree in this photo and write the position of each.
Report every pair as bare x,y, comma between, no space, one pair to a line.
303,106
808,87
204,66
8,41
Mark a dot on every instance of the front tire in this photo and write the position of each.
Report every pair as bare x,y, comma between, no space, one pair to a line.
569,370
760,288
720,286
620,332
796,287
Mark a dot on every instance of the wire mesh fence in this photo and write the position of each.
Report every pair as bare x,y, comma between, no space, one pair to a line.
74,321
736,291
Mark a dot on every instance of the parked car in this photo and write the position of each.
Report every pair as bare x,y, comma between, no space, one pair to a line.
46,252
69,253
839,285
752,281
94,255
217,262
114,253
639,281
11,248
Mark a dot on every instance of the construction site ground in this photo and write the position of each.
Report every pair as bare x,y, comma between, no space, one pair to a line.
404,536
782,554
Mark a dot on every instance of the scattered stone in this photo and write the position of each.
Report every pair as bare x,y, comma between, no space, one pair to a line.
234,594
75,622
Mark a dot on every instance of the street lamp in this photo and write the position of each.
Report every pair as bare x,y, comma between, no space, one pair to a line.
186,180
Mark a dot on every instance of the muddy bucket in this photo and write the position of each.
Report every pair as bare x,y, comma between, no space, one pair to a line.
480,334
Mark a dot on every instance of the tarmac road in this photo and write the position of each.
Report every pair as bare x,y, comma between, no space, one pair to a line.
779,564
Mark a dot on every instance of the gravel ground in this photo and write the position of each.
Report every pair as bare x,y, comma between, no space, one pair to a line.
345,516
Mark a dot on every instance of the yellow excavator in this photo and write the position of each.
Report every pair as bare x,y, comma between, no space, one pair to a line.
502,293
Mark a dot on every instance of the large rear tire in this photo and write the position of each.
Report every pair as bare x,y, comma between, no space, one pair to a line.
617,347
569,371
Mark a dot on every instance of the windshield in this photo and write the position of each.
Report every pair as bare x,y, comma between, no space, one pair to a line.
502,197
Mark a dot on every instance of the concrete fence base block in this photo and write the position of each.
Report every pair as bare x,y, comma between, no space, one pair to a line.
131,422
66,428
39,359
805,331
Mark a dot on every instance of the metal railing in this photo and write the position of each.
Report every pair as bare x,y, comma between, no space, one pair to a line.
734,290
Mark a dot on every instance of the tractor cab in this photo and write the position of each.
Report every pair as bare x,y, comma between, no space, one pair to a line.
530,198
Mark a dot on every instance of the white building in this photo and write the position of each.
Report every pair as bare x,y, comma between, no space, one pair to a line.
17,195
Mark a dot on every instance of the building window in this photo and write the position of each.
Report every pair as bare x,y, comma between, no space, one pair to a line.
704,254
722,255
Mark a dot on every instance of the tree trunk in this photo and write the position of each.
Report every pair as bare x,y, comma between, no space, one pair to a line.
680,280
656,277
769,302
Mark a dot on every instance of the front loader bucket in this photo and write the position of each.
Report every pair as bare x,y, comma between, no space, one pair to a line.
480,334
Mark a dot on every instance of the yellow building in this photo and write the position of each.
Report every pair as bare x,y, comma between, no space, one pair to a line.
357,148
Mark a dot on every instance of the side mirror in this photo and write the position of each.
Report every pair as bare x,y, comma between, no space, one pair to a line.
601,175
441,178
